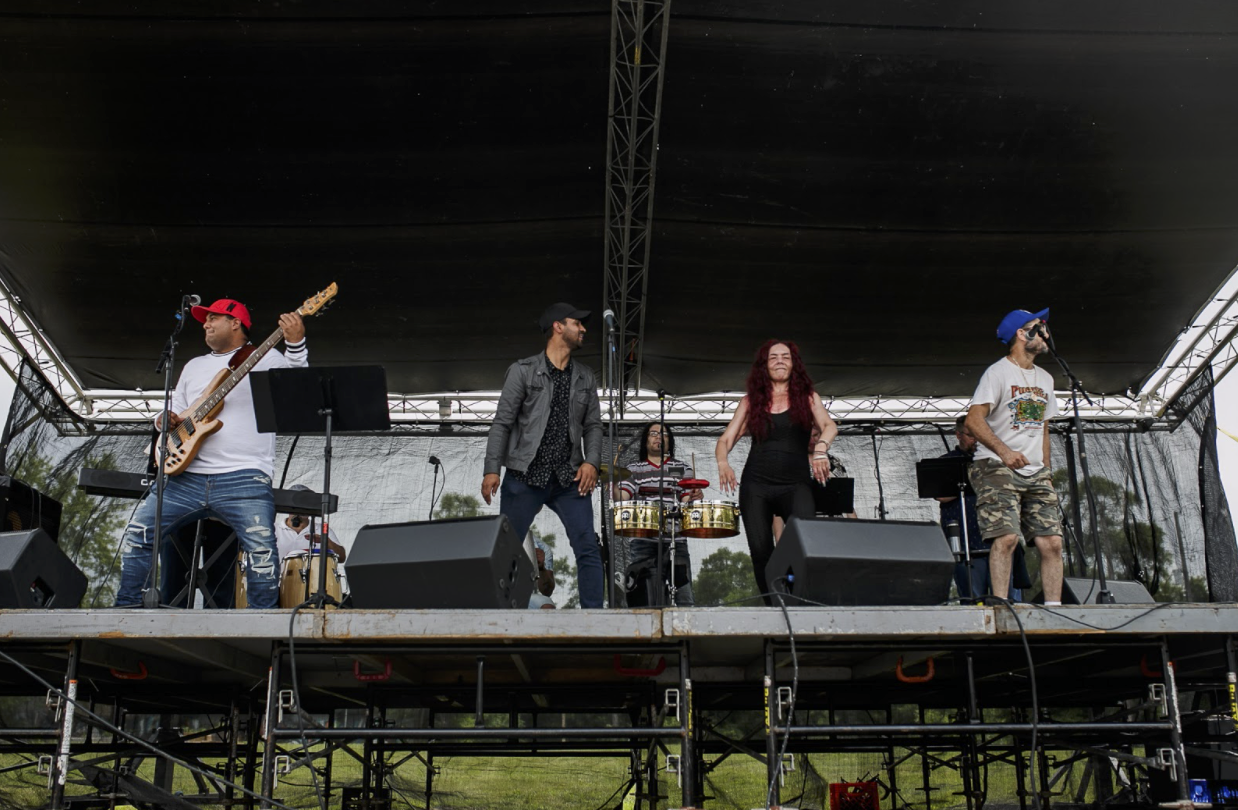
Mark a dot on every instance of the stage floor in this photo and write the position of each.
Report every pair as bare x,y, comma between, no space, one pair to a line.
1077,651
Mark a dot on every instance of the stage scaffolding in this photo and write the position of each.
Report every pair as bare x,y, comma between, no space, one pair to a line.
1081,706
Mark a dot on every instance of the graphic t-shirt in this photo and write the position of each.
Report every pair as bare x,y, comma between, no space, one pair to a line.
1019,400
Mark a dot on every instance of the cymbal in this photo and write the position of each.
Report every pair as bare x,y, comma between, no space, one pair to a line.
621,473
693,483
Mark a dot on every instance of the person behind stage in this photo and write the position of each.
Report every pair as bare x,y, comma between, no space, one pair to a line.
658,456
230,478
292,534
544,587
779,410
952,511
548,408
1011,473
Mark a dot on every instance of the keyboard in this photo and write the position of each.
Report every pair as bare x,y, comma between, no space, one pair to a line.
117,484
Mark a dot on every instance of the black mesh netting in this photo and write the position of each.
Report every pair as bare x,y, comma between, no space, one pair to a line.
1162,515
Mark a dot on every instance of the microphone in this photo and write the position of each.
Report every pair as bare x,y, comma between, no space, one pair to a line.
955,535
434,460
609,316
187,301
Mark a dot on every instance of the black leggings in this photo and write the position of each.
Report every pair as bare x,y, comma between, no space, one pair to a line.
758,504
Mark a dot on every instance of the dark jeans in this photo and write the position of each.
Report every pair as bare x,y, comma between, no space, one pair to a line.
759,502
242,499
644,555
521,503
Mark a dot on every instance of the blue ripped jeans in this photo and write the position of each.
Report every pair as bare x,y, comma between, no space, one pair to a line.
242,499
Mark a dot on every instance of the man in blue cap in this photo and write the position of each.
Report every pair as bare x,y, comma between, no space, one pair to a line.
1008,416
547,432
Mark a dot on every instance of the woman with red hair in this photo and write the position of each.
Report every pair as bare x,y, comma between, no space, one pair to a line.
779,411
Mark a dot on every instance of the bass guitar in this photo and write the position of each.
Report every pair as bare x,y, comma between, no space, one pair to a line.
199,420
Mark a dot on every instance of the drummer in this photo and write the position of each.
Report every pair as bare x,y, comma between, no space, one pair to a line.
655,477
292,534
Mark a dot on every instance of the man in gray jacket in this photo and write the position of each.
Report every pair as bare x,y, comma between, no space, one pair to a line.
548,407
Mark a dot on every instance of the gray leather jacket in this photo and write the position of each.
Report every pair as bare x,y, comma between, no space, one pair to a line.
524,409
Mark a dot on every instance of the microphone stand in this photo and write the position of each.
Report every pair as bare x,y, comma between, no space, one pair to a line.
433,487
1076,390
881,493
608,487
167,360
658,567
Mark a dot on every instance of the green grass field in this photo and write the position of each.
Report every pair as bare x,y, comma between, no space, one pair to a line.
503,783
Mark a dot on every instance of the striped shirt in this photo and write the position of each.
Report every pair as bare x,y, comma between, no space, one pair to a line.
647,473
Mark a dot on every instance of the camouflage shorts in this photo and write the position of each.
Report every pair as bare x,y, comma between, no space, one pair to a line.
1009,503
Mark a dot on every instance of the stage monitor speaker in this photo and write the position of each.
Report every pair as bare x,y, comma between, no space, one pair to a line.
1084,591
23,508
847,562
35,573
461,563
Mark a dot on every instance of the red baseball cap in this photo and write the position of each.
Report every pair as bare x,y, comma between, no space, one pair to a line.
224,306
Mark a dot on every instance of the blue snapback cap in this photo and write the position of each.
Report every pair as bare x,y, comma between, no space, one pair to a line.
1014,321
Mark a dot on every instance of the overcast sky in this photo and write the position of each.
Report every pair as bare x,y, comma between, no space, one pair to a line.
1227,420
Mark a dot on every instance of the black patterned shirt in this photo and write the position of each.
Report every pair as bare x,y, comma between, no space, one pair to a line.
554,454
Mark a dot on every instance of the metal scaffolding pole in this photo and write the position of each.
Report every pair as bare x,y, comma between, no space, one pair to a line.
638,38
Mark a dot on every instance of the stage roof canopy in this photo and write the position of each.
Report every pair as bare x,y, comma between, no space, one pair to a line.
877,181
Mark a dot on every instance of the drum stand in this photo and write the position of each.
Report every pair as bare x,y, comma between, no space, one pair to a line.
673,512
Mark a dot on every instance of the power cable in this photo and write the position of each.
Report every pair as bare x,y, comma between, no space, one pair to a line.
622,788
296,694
795,687
288,461
1035,772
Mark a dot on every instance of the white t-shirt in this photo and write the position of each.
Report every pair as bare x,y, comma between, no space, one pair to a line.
1020,401
237,445
291,541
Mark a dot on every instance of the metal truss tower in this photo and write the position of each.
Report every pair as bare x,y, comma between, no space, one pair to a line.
638,36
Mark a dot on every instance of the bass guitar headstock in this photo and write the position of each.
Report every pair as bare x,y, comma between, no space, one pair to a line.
316,303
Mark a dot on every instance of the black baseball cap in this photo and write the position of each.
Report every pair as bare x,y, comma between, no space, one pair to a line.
559,312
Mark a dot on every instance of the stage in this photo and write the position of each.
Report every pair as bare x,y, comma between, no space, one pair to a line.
641,684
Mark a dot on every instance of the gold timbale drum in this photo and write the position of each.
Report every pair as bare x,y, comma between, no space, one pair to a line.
701,519
710,519
636,519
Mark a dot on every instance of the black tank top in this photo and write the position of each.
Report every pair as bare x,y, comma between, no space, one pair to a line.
782,456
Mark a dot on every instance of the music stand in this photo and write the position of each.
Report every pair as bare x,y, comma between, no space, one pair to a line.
947,478
321,399
835,498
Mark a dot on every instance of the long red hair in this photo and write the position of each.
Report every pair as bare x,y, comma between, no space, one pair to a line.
760,390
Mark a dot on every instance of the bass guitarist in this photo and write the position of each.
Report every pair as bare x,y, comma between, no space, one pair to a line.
230,477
